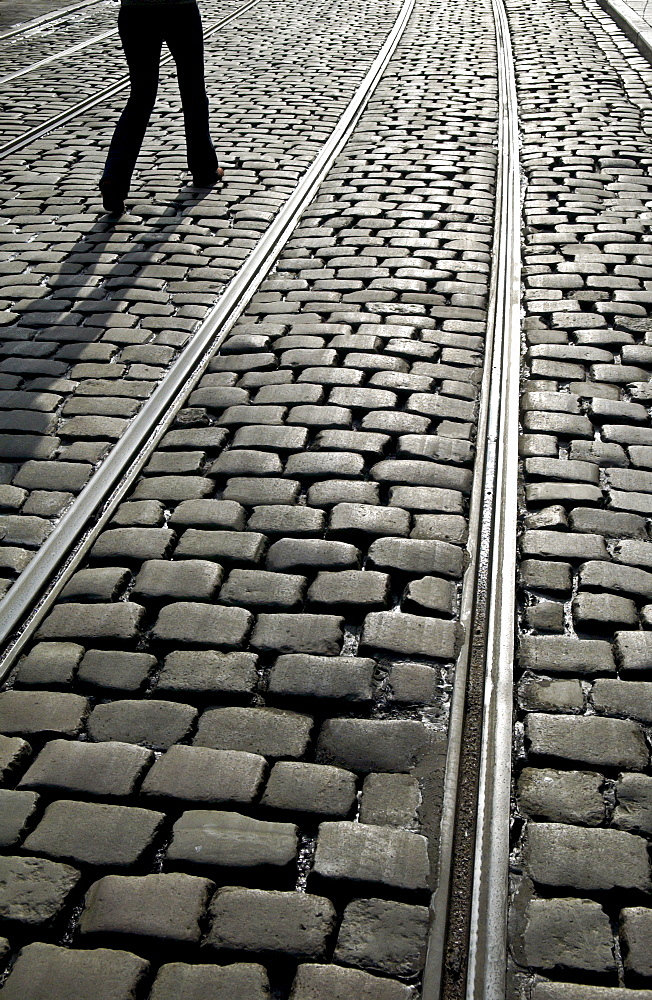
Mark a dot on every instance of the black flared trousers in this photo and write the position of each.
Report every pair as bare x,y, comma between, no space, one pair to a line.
143,29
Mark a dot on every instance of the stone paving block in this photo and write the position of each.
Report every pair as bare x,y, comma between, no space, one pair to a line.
133,544
229,547
47,972
253,492
115,670
14,754
589,739
566,655
88,833
603,612
310,788
383,936
349,520
216,514
298,633
352,592
258,589
246,462
585,858
156,724
563,545
188,579
332,982
162,907
412,472
372,745
194,624
633,810
430,594
271,438
104,583
205,674
390,800
32,712
178,981
49,664
232,843
33,891
634,651
16,809
561,796
371,855
271,732
606,522
566,933
334,491
204,776
284,520
345,678
139,513
105,770
627,698
440,527
292,924
305,555
635,935
544,694
61,476
410,635
622,579
417,557
118,622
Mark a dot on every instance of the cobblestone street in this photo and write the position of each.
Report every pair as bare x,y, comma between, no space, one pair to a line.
268,509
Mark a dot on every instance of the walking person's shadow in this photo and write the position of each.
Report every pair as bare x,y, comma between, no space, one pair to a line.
42,348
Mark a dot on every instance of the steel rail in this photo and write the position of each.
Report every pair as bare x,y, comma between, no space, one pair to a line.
31,135
39,584
57,55
476,803
51,18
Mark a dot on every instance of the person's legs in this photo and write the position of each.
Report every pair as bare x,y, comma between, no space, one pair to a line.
185,40
142,40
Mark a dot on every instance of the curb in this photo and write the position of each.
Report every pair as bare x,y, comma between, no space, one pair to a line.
637,30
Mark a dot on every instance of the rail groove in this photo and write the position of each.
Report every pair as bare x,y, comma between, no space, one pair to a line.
467,946
30,598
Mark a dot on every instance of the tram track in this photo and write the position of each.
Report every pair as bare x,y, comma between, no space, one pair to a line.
468,944
51,19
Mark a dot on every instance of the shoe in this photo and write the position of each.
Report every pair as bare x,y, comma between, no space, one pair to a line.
208,180
112,201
